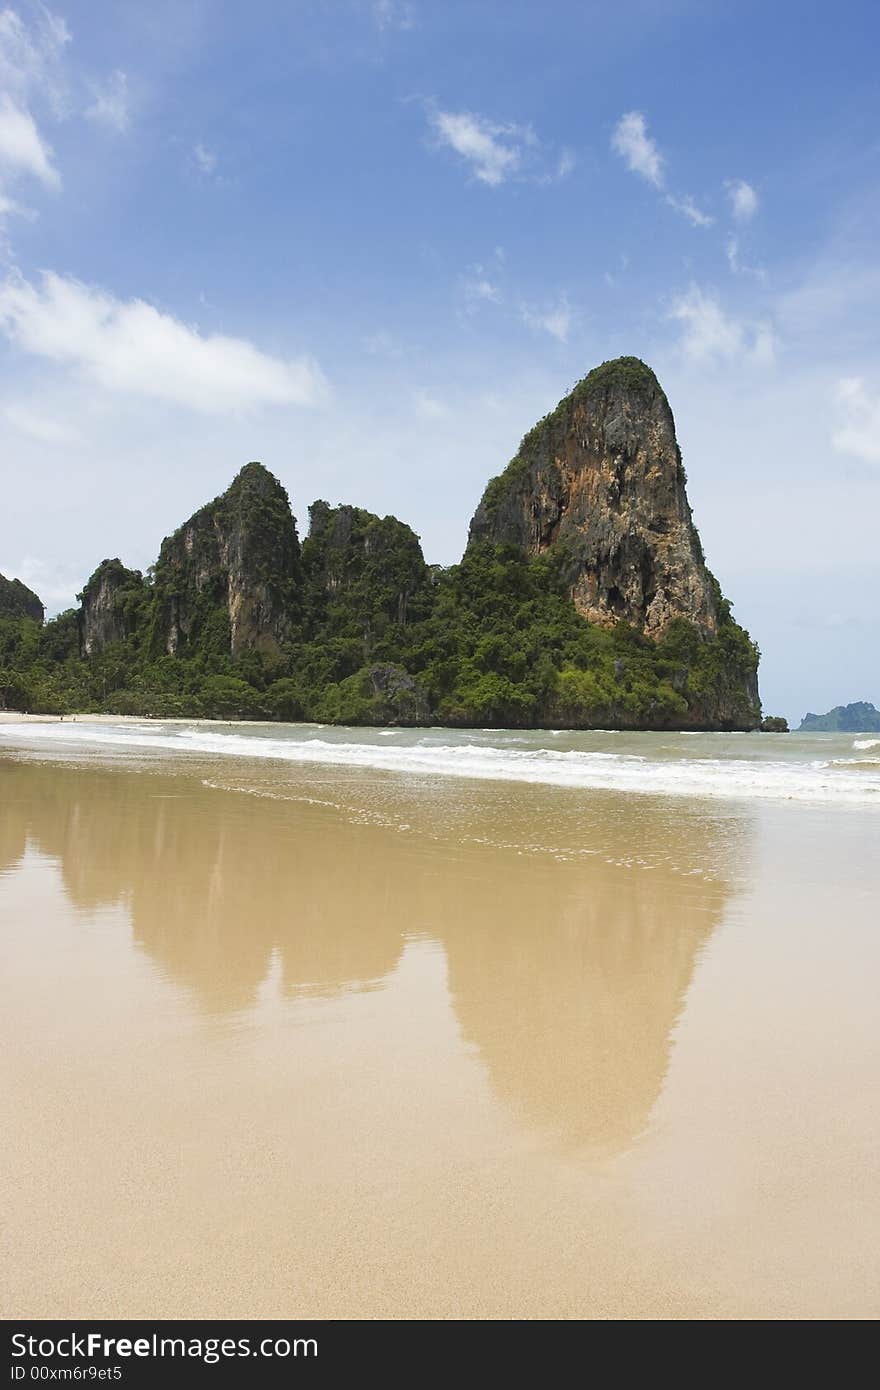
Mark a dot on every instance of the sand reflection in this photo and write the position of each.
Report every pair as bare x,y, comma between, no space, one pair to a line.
567,977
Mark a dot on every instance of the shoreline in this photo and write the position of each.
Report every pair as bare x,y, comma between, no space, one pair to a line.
19,717
816,769
10,716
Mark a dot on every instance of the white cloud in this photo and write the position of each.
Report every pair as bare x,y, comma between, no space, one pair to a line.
498,151
630,139
743,199
205,158
563,167
555,320
31,76
859,411
22,150
711,335
111,104
132,347
738,267
8,205
393,14
639,151
567,161
36,425
493,151
31,57
483,289
38,83
478,289
688,208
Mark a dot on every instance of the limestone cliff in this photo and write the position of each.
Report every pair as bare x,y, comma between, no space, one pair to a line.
18,601
106,613
230,574
582,601
602,475
374,565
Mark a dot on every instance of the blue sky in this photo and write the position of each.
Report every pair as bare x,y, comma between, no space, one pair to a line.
371,243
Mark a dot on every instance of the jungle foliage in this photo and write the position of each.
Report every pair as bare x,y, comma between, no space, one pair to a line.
378,636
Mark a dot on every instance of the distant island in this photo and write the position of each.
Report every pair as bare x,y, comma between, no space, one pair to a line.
583,600
858,718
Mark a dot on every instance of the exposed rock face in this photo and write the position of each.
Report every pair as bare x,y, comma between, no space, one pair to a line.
18,601
350,551
103,614
237,561
603,475
399,699
356,628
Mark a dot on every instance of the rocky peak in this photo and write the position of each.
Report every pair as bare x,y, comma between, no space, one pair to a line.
236,559
352,551
18,601
602,476
104,616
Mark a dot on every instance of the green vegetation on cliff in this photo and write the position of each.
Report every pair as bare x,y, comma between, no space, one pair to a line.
493,640
237,620
774,724
237,556
18,601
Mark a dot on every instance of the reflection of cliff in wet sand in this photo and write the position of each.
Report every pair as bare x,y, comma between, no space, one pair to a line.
567,976
13,820
215,882
571,996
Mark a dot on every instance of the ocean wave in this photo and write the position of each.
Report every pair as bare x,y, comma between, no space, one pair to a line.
866,743
574,769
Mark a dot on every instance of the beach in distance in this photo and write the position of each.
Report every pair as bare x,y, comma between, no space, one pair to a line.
432,1023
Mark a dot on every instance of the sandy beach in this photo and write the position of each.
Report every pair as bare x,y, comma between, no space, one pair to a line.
370,1045
11,716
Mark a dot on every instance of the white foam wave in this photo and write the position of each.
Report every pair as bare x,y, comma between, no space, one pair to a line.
866,743
588,770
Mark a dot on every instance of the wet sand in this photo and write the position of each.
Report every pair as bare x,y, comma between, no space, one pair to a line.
317,1042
